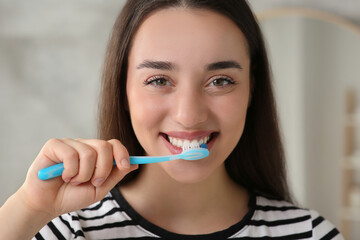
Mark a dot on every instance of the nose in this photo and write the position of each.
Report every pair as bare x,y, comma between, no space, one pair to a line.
190,108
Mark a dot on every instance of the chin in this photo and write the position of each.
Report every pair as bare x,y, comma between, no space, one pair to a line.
187,172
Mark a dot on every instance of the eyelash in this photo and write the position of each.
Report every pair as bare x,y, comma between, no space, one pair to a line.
222,78
154,80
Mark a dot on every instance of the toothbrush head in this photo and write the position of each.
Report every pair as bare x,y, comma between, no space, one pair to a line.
203,145
195,153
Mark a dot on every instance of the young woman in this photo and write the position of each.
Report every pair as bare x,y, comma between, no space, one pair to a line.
175,71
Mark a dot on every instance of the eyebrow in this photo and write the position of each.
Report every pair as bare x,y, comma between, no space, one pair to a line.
223,65
164,65
160,65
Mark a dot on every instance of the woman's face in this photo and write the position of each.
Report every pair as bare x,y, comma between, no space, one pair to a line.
188,80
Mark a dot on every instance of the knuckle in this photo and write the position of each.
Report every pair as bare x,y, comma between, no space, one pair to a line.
104,145
119,146
115,141
71,155
89,154
52,141
66,139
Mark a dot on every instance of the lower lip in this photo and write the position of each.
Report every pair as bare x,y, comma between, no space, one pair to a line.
177,150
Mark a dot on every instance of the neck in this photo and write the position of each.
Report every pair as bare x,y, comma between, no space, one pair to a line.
175,206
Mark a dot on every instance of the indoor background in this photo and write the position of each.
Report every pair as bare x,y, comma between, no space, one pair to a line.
51,55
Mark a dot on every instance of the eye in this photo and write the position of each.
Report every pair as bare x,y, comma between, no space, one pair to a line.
221,81
158,81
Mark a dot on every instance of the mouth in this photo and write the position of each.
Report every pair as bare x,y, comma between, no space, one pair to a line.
176,142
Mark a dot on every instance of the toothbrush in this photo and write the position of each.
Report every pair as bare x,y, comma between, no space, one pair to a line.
188,153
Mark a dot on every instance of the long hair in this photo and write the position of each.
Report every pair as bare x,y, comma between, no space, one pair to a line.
257,162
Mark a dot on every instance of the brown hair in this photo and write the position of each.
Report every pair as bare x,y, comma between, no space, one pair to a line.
257,162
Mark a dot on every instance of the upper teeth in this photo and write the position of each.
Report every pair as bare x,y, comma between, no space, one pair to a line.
183,143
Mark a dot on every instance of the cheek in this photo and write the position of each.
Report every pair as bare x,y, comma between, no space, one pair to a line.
146,110
231,115
232,111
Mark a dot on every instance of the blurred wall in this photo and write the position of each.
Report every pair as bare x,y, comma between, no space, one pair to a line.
51,55
314,62
313,112
349,9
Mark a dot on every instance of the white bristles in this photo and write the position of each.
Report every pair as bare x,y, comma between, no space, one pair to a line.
192,145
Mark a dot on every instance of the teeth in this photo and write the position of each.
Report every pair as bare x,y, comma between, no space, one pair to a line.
185,143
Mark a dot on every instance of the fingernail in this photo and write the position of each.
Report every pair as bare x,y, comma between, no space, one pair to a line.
67,180
125,163
98,182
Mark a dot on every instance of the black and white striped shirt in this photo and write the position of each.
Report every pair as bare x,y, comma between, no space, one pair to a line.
114,218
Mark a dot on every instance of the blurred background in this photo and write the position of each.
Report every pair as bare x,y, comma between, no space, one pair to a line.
51,55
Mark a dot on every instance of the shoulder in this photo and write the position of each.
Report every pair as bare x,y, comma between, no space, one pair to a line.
101,220
286,219
322,228
77,224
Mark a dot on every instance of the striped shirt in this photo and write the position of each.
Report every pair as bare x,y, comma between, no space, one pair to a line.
114,218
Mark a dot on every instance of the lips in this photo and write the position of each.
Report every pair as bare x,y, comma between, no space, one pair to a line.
177,141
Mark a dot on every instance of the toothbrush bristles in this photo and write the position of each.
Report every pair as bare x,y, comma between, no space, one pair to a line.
193,146
203,145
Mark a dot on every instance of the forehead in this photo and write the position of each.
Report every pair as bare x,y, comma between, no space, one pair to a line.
193,34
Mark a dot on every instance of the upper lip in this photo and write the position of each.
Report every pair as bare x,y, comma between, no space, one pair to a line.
189,135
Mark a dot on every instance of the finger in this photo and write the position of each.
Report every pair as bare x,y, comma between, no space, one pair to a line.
58,151
87,160
104,162
121,155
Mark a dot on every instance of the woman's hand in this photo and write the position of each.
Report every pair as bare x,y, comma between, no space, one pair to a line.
88,175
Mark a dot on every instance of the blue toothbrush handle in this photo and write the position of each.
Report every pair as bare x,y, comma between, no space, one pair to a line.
57,169
51,172
149,159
